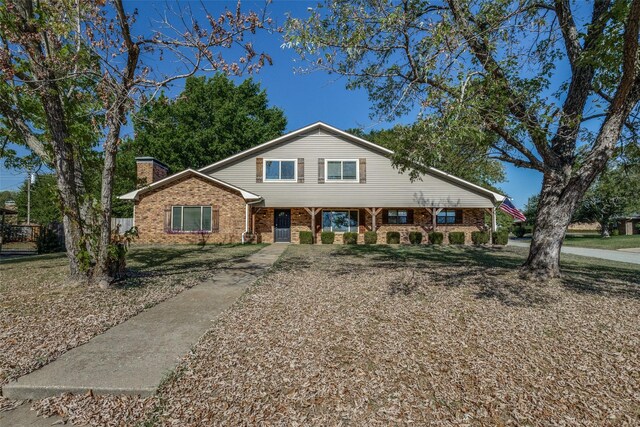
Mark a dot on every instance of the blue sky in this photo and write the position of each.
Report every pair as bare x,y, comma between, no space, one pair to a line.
306,97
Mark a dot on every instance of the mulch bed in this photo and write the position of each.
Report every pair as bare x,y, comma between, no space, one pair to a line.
42,317
450,336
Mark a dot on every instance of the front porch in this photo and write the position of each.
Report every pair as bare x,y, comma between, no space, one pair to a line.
268,229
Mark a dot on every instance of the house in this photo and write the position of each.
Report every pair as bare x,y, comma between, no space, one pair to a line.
315,178
629,224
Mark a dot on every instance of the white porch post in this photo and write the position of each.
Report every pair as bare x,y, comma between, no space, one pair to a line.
313,212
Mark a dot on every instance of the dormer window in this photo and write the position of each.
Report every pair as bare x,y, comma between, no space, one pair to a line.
280,170
341,170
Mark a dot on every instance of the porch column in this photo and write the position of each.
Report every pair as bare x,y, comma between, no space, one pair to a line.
373,212
313,212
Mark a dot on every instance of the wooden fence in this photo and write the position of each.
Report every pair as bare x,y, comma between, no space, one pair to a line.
125,224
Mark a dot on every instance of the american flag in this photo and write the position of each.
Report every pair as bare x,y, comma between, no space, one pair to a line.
508,207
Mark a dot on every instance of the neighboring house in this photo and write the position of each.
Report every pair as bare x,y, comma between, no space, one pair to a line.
315,178
629,224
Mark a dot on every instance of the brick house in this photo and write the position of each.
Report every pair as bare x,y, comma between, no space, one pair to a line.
317,178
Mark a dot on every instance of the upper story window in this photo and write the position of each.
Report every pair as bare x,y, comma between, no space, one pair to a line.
280,170
191,218
341,170
449,216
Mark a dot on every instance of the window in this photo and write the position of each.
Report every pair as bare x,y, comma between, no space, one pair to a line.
340,221
449,216
341,170
395,216
280,170
191,218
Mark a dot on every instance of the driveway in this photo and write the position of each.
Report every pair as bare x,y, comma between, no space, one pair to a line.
620,256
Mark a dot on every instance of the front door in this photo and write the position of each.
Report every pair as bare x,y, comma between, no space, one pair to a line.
282,225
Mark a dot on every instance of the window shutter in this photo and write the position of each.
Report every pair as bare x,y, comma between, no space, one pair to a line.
259,171
300,170
458,216
215,219
363,171
320,171
167,218
385,216
409,216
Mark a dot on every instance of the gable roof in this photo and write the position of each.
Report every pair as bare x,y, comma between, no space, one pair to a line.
496,197
134,195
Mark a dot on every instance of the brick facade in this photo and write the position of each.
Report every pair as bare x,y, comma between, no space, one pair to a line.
472,220
153,209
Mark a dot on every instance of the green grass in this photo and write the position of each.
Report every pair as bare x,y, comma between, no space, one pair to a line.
597,242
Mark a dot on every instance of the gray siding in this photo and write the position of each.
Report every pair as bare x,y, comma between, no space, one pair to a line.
385,186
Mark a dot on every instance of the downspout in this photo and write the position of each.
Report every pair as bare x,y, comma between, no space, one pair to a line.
246,218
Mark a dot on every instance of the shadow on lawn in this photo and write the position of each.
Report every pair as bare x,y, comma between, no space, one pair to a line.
495,272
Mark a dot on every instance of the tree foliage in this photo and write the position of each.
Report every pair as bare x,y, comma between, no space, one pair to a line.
544,85
210,120
45,206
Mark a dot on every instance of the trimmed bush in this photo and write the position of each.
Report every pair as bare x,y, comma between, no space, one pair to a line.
615,232
370,238
519,231
306,238
393,237
480,237
350,238
436,238
415,237
327,237
501,237
456,238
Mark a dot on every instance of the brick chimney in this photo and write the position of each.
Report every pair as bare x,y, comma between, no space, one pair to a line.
150,170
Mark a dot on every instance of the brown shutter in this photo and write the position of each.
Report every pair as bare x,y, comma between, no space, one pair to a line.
458,216
259,171
215,219
363,171
409,216
167,218
385,216
300,170
320,171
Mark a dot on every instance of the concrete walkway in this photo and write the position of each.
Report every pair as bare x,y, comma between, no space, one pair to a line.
134,357
621,256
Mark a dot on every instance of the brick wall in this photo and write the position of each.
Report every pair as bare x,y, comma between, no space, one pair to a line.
152,208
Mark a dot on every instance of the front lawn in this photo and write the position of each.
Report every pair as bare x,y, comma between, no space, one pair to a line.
41,317
377,335
597,242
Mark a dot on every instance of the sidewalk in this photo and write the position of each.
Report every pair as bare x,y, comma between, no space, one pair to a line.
620,256
134,357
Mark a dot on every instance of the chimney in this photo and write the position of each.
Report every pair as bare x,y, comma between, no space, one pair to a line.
150,170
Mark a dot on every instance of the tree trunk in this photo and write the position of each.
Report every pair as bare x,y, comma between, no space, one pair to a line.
558,200
604,229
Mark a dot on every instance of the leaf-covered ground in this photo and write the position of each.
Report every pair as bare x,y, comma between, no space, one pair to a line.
41,317
423,336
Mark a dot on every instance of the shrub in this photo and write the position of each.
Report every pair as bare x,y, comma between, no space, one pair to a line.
456,238
415,237
350,238
393,237
49,241
370,238
480,237
436,238
327,237
501,237
519,231
306,238
615,232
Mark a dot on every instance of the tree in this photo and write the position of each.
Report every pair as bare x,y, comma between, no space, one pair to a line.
467,161
71,73
543,88
45,207
614,194
210,120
